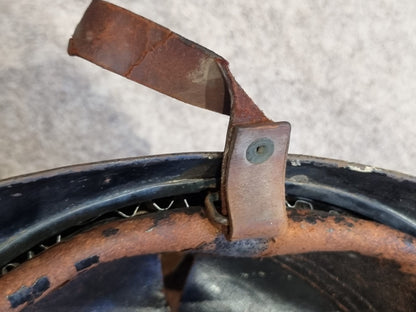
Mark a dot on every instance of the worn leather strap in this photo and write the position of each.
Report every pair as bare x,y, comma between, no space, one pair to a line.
141,50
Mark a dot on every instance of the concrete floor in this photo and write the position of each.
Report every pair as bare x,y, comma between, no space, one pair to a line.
342,72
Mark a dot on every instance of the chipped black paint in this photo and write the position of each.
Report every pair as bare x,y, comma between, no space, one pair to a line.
408,240
87,262
313,217
29,294
339,219
294,215
310,219
342,220
110,232
241,248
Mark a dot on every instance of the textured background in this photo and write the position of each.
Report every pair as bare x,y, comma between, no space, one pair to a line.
342,72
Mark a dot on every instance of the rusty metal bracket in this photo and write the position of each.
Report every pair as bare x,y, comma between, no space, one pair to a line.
254,160
322,231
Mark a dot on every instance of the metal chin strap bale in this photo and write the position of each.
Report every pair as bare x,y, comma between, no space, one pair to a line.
253,171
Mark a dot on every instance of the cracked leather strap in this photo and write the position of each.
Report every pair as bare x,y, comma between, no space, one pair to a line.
150,54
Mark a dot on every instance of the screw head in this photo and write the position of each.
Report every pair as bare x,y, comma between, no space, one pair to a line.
260,150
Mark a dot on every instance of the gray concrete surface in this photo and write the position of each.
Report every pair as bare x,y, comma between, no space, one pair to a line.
342,72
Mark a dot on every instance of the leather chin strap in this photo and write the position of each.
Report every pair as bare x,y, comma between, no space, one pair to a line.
254,163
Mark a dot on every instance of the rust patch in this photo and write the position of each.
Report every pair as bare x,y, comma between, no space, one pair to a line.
177,231
87,262
29,294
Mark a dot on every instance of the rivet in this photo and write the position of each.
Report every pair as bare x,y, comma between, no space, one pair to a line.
260,150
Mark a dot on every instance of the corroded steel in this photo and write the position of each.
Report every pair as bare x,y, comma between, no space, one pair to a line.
164,232
252,173
152,55
211,211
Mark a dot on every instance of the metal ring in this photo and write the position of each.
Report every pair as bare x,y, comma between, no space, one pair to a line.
213,215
